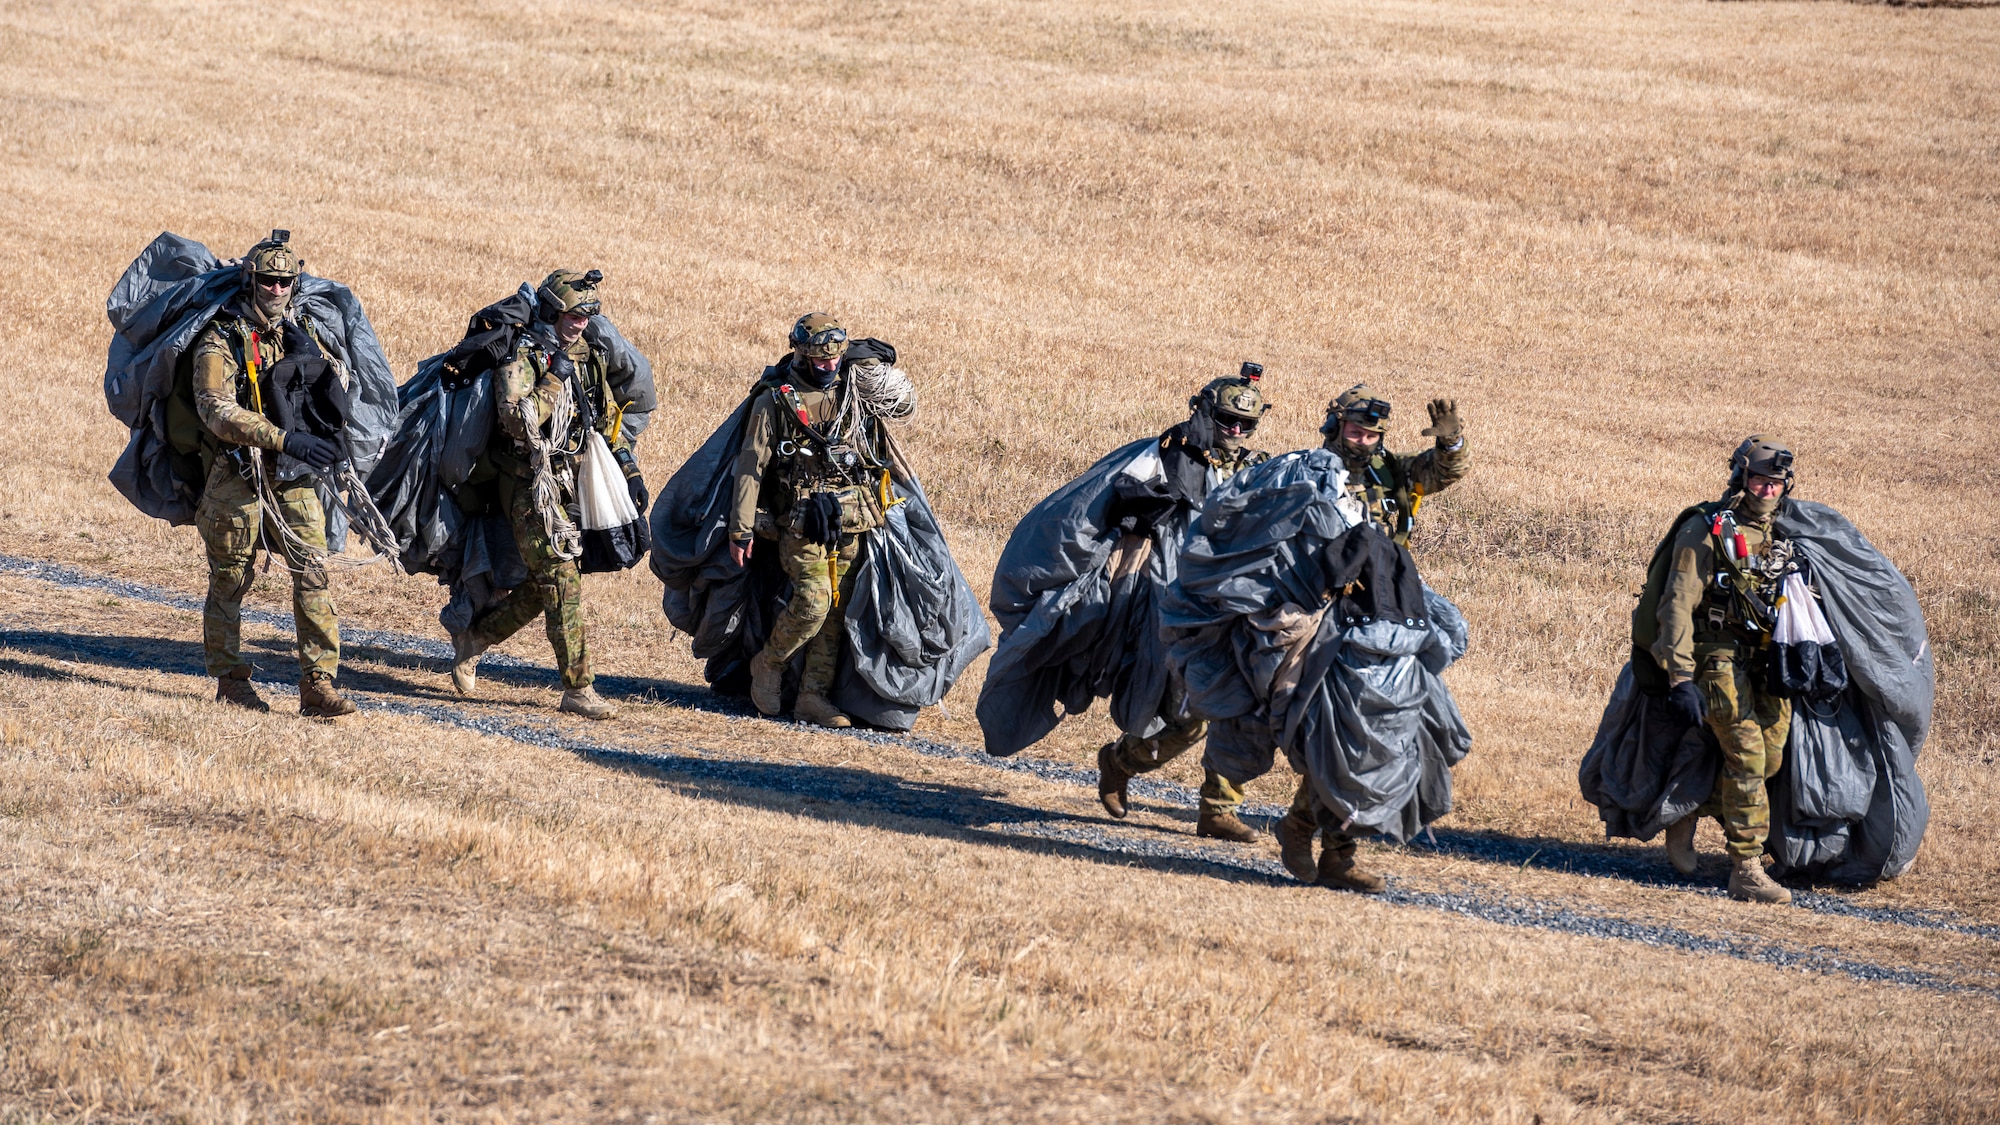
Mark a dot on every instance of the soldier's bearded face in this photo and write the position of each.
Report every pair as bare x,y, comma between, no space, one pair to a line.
1359,436
1763,488
271,293
826,363
569,327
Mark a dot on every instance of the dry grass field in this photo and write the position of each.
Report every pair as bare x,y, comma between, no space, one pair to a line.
1622,235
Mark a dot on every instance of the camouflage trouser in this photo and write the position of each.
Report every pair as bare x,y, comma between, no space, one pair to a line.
553,592
1137,755
813,619
228,518
1751,725
1307,805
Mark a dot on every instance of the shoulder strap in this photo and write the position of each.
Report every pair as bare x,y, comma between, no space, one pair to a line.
788,403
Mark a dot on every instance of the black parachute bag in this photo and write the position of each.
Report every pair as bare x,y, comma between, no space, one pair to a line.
1805,662
490,340
307,392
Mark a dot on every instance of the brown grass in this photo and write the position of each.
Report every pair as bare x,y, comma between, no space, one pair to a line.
1622,235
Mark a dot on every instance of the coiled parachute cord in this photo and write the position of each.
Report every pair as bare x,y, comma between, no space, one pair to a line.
565,541
301,557
882,390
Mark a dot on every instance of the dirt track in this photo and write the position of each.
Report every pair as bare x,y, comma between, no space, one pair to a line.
1024,816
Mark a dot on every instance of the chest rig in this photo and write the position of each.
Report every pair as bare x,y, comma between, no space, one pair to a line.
1739,600
835,465
585,383
1387,495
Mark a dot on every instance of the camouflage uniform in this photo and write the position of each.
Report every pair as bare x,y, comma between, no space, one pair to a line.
230,515
779,471
1707,632
532,381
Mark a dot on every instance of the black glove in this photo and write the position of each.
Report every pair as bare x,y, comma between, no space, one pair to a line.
634,483
318,452
1687,702
1444,425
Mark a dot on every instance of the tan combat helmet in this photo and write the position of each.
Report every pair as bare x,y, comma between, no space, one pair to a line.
1762,456
1357,404
567,291
1235,398
818,336
273,257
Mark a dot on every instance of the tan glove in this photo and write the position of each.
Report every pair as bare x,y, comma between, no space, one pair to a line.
1444,425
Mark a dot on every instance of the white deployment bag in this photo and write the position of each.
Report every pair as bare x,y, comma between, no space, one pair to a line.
614,537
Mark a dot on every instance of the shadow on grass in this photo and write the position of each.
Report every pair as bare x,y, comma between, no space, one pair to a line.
837,794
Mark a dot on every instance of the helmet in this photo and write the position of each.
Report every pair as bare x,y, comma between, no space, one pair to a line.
1233,399
818,336
1760,456
1357,404
567,291
272,257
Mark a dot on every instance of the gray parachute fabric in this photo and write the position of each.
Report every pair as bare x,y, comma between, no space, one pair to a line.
440,433
1847,805
169,293
913,626
1356,704
1070,634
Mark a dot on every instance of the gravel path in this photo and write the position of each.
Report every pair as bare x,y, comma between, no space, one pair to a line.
839,793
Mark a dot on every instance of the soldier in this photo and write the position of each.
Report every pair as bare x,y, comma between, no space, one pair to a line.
251,462
1175,476
547,397
816,463
1715,616
1390,488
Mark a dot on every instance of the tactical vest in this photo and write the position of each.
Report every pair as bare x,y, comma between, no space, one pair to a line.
1732,609
809,460
586,387
1388,495
1739,597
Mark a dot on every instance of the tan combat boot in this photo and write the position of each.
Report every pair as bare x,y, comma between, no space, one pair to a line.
1111,779
1680,844
1337,870
1749,883
816,709
234,689
586,702
465,650
1224,826
318,700
1295,845
767,686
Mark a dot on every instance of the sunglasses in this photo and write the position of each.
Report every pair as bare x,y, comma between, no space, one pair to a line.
274,281
1236,423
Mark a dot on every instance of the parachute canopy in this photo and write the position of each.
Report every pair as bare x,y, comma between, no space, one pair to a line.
1847,804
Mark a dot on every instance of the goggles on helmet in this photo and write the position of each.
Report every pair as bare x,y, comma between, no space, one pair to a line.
1373,411
827,343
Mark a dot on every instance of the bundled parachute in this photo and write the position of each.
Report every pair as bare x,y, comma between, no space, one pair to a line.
444,419
1296,626
912,627
1846,804
166,297
1079,615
